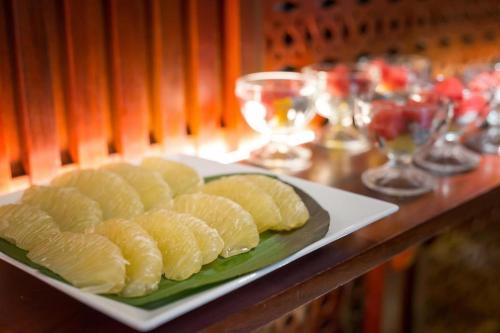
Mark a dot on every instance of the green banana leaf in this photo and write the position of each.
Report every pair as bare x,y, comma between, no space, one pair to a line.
273,247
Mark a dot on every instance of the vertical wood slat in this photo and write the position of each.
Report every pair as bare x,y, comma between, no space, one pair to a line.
9,130
4,160
203,67
6,98
129,76
35,100
168,65
54,22
88,98
231,61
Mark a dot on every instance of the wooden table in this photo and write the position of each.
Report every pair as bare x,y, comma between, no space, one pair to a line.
28,305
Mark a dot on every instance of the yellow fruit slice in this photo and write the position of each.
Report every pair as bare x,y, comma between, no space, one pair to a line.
293,211
208,239
257,202
26,226
88,261
152,189
115,196
145,263
70,209
181,254
234,224
181,178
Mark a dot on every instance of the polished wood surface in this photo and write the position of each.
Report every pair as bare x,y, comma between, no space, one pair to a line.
29,305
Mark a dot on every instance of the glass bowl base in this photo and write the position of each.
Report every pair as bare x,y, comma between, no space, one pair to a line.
398,181
281,157
343,138
447,158
486,142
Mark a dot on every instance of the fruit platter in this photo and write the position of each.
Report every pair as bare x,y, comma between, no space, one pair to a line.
147,242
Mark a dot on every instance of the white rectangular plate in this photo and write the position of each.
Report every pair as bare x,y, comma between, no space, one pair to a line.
348,212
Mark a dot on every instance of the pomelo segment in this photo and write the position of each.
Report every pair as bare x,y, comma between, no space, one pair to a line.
209,241
26,225
293,211
179,248
152,189
181,178
257,202
115,196
145,263
88,261
234,224
70,209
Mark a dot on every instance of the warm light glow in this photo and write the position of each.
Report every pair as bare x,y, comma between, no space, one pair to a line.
217,149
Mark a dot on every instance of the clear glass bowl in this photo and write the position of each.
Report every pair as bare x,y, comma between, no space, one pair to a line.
277,105
468,109
338,85
485,78
399,126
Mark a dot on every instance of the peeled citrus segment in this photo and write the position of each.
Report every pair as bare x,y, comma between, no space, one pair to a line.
152,189
181,254
140,250
26,226
257,202
234,224
88,261
115,196
70,209
208,239
293,211
180,177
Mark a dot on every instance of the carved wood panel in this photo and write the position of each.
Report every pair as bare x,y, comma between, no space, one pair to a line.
450,32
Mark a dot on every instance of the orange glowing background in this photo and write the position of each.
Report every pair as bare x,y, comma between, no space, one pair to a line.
83,81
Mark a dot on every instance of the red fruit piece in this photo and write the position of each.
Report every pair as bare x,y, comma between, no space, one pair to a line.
388,120
395,77
483,82
361,83
496,77
269,97
421,113
375,68
475,105
451,88
338,81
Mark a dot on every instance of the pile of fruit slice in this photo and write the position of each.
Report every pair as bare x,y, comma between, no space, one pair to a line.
119,228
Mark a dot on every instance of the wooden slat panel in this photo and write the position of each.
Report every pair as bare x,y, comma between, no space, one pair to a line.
204,74
168,57
88,98
9,129
129,75
35,102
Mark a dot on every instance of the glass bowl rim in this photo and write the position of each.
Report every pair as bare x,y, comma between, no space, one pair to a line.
253,79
